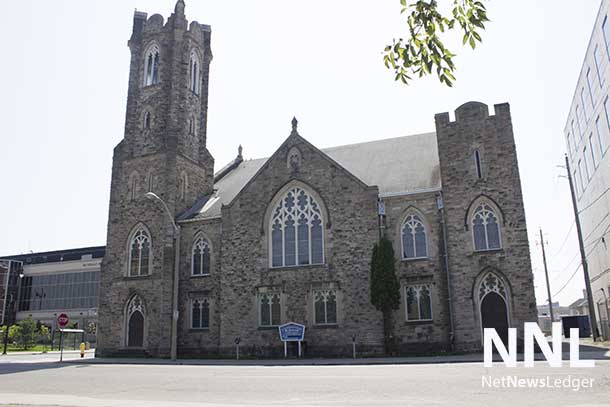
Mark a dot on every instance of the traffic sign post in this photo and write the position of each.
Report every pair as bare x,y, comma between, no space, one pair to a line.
291,332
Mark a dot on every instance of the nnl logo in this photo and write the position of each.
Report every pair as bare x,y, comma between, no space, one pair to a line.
553,356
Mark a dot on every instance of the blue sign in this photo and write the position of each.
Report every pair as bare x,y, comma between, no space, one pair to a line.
291,332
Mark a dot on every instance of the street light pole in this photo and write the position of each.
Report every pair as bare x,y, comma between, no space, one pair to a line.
583,257
174,331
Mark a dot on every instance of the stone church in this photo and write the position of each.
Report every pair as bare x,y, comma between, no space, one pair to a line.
262,242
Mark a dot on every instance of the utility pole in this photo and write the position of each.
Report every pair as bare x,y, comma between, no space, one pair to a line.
546,273
583,256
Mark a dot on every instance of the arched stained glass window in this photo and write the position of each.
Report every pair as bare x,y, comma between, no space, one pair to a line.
201,257
151,66
485,228
296,230
139,253
414,241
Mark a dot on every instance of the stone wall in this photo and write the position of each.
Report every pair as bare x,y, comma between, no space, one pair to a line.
473,129
349,234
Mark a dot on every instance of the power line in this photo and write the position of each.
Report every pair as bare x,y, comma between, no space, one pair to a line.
595,200
570,279
566,239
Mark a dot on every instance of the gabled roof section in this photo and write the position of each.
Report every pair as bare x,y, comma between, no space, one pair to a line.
396,166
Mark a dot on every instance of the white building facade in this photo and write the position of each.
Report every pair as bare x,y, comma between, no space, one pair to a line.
587,136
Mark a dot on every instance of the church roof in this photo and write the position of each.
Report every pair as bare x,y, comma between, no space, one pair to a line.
396,166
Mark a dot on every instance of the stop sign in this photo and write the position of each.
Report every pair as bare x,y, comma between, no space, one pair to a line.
62,320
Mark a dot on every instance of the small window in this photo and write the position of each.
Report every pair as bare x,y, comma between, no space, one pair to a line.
150,181
588,170
139,253
569,141
200,313
578,122
485,228
419,304
414,242
573,132
584,103
183,186
576,186
592,151
589,87
270,309
195,70
580,171
133,186
477,164
597,60
147,120
201,257
600,138
151,66
192,123
325,307
606,32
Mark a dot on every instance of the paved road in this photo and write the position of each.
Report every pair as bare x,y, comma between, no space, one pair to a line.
456,384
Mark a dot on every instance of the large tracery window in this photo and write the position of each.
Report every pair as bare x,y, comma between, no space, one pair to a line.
195,70
151,66
201,257
485,228
139,253
414,242
296,230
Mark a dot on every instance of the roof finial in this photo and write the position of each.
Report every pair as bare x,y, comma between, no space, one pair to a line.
294,124
179,9
239,152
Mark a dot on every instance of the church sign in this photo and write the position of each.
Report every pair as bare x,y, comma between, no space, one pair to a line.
291,332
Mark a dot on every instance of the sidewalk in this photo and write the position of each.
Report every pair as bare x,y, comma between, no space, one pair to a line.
597,353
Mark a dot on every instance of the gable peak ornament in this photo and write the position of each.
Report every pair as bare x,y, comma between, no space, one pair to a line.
295,122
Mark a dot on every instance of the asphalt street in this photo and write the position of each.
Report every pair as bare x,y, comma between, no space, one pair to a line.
32,381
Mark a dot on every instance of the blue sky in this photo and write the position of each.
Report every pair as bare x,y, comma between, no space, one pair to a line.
64,87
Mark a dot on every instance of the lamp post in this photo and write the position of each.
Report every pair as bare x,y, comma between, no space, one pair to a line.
174,332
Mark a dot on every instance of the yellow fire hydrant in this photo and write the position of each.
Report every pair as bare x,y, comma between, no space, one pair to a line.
82,349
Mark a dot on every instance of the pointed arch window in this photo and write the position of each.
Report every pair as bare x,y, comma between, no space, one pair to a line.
147,121
485,228
133,186
297,236
477,164
139,253
195,72
414,238
151,66
183,186
200,257
200,313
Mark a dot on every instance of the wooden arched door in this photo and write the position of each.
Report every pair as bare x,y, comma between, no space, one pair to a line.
494,315
136,330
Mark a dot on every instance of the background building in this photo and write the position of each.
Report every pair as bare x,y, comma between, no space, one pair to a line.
587,135
64,281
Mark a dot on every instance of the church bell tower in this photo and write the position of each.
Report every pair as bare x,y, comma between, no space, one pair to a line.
164,152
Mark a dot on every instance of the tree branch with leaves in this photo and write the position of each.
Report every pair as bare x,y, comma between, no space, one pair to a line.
424,50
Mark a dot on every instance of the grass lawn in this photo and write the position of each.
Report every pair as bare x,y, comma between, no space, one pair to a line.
34,348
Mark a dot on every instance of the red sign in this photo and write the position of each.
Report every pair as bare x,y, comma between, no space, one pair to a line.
62,320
